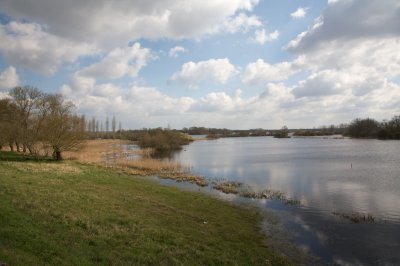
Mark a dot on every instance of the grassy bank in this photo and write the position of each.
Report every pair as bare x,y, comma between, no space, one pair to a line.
69,214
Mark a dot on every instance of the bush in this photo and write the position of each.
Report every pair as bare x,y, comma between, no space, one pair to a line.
363,128
163,140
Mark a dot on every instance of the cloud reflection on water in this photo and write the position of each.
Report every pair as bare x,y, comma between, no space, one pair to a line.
326,175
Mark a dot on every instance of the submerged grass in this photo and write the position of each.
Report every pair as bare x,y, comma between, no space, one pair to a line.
228,187
356,217
74,214
238,188
161,168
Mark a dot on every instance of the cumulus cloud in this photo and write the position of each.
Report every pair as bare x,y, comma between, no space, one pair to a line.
9,78
323,83
240,23
348,20
222,102
301,12
173,52
351,52
357,81
22,44
118,22
119,63
138,106
261,72
261,36
217,70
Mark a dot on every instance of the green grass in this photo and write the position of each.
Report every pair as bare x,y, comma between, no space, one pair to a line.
71,214
14,156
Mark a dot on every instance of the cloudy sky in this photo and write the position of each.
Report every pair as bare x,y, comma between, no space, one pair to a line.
219,63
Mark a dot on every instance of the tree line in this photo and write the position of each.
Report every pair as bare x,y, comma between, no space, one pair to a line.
32,121
107,130
370,128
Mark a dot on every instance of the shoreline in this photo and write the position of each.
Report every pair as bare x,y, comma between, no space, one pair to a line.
183,179
104,186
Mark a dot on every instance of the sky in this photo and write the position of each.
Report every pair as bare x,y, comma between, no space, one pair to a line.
235,64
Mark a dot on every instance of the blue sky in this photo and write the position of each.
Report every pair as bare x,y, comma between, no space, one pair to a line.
224,63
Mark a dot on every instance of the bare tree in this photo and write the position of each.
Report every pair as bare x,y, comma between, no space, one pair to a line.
8,123
27,100
93,129
113,126
63,130
107,124
119,130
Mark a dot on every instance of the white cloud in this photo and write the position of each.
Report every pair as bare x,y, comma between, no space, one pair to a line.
330,2
119,63
351,20
240,23
9,78
260,72
301,12
323,83
29,45
217,70
357,81
137,106
221,102
173,52
116,23
261,36
351,52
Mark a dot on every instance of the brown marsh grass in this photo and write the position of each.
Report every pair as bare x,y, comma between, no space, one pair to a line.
150,164
162,168
97,151
111,153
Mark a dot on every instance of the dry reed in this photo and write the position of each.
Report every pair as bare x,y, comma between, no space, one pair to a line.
111,153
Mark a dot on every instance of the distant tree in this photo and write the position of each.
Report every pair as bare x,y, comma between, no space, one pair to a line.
107,124
113,126
363,128
282,133
93,125
390,129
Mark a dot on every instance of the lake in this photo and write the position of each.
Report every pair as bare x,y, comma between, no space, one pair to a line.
333,179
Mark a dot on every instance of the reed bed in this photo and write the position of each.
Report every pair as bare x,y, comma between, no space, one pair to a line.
111,153
151,165
98,151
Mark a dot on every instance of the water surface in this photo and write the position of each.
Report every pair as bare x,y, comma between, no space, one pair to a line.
328,177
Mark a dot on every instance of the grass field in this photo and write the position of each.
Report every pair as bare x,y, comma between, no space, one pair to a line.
72,214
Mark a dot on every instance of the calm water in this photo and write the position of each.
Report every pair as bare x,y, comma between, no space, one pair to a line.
327,176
